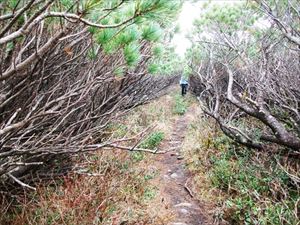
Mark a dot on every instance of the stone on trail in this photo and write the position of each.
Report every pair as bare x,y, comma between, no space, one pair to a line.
174,175
184,211
184,204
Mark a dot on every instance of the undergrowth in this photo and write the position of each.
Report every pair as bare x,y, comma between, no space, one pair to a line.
153,140
105,187
181,105
245,186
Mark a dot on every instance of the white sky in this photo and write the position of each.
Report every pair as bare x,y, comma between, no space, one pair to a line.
190,11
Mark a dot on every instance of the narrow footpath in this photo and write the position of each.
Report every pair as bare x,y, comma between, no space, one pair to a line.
173,181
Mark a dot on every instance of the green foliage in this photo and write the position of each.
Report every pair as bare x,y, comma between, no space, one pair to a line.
149,27
9,46
153,140
152,32
132,54
149,177
130,35
180,106
110,47
153,68
119,72
137,156
157,50
164,11
222,173
255,186
149,193
228,17
92,30
67,3
167,61
104,36
13,3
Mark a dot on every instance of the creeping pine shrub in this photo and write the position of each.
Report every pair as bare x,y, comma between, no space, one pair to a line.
153,140
180,106
260,193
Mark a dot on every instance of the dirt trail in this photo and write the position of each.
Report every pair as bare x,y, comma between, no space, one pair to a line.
173,180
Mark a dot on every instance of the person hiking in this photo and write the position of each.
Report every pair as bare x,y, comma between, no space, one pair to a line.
184,84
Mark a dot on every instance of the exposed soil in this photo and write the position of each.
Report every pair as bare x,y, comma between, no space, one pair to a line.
175,196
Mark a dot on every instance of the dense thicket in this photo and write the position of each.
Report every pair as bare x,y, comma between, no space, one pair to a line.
67,67
246,68
246,74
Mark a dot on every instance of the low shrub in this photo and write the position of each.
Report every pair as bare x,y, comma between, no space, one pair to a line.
260,192
153,140
245,186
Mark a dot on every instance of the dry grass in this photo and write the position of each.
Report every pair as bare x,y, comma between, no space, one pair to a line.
112,187
113,192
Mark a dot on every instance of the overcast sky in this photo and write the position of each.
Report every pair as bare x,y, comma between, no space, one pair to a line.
190,11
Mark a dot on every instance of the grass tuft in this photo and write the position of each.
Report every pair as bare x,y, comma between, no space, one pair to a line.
180,106
153,140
